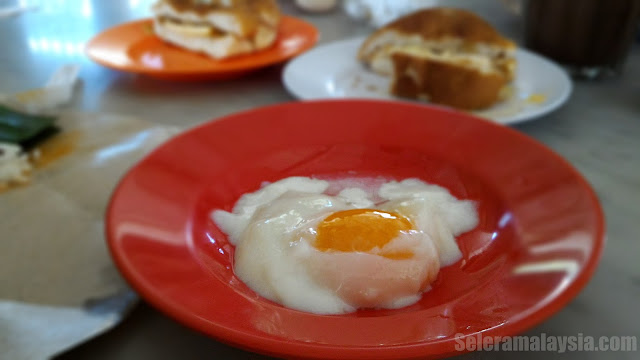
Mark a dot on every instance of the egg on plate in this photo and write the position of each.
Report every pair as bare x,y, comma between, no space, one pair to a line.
361,247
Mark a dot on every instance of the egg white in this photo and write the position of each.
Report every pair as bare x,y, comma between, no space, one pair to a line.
274,229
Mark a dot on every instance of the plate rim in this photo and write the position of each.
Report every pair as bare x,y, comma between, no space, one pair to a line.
564,79
265,345
94,43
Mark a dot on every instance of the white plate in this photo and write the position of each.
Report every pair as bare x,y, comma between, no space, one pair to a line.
332,71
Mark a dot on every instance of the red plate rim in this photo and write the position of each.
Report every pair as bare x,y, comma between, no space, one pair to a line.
292,348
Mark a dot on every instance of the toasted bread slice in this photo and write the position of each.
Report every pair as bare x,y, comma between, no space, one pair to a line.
218,28
457,83
238,17
440,29
450,56
219,46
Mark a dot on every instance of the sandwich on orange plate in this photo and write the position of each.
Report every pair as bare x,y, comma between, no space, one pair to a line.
443,55
218,28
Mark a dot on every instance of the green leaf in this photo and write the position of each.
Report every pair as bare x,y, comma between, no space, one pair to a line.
19,128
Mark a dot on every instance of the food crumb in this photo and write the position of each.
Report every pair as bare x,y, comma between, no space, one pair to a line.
536,99
15,167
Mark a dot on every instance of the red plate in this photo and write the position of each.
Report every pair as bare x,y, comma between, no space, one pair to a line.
538,242
134,48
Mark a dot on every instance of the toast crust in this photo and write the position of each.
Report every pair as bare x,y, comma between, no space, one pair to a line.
445,83
437,24
444,55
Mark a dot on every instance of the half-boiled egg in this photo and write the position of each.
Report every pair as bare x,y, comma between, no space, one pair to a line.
360,248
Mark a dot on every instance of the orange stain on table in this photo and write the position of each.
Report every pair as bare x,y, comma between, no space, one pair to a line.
49,152
55,148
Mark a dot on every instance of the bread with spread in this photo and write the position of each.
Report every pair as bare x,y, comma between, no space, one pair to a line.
443,55
218,28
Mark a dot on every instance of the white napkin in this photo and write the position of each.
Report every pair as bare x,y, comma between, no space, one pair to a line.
58,285
56,92
39,331
380,12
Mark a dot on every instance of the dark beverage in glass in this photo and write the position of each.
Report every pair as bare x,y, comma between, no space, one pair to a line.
590,37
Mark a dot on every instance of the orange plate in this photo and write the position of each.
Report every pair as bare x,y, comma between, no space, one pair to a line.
134,48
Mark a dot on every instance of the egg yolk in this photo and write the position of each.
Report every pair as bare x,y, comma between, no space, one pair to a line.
361,230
